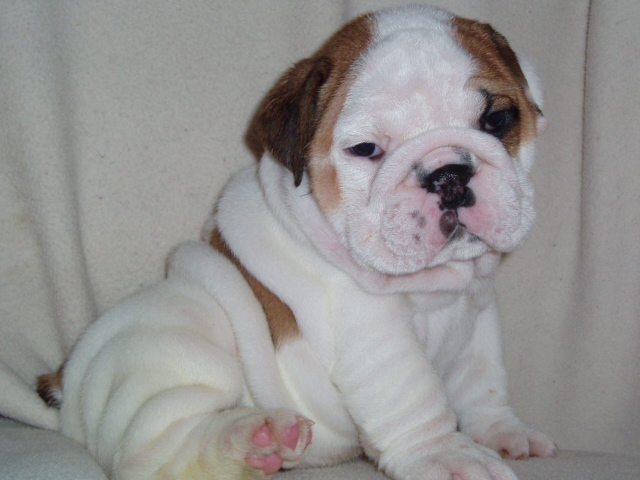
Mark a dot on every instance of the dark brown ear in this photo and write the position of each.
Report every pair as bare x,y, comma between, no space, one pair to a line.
287,119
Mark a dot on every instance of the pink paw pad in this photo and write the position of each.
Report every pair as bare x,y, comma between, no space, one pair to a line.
290,436
269,464
262,437
272,441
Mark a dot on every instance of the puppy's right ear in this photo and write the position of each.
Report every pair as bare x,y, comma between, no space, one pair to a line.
288,117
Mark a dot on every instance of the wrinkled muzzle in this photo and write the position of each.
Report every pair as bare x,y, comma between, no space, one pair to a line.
448,194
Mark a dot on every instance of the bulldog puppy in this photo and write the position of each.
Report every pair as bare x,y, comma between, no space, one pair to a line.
344,284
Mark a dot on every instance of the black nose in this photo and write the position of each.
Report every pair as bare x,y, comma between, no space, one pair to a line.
450,182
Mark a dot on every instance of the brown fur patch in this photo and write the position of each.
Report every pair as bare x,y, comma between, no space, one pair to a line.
325,186
344,49
296,119
287,118
500,75
281,320
49,387
323,177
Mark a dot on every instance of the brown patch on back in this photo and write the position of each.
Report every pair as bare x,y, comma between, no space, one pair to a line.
281,320
49,387
499,73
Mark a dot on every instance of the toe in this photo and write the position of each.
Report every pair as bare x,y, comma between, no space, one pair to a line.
262,436
290,436
269,464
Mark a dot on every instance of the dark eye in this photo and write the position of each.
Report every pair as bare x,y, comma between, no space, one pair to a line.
498,122
366,149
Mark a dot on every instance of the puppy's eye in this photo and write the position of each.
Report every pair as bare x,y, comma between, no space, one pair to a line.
498,122
366,149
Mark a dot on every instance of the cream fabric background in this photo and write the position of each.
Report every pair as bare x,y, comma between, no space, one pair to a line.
120,121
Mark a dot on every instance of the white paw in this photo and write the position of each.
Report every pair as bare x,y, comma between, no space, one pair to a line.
268,440
517,441
459,458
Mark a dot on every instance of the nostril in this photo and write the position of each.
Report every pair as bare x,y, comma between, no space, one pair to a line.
456,196
450,182
454,174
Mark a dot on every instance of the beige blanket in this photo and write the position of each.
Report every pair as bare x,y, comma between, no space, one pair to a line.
120,121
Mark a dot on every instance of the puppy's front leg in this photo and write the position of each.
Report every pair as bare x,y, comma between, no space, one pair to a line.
398,401
477,387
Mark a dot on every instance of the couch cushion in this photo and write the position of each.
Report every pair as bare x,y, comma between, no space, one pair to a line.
28,453
569,465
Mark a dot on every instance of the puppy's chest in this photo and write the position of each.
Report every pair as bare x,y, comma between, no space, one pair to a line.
444,325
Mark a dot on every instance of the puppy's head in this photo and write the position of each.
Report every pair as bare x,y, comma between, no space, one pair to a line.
416,130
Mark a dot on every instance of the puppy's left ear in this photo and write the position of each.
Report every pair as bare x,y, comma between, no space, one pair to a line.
287,119
524,73
535,91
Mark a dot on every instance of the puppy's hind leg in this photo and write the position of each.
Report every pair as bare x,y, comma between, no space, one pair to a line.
155,389
236,444
167,401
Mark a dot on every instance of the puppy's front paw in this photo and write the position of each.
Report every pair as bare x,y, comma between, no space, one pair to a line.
517,441
522,443
459,458
267,441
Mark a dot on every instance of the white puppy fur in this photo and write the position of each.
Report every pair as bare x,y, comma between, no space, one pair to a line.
396,348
